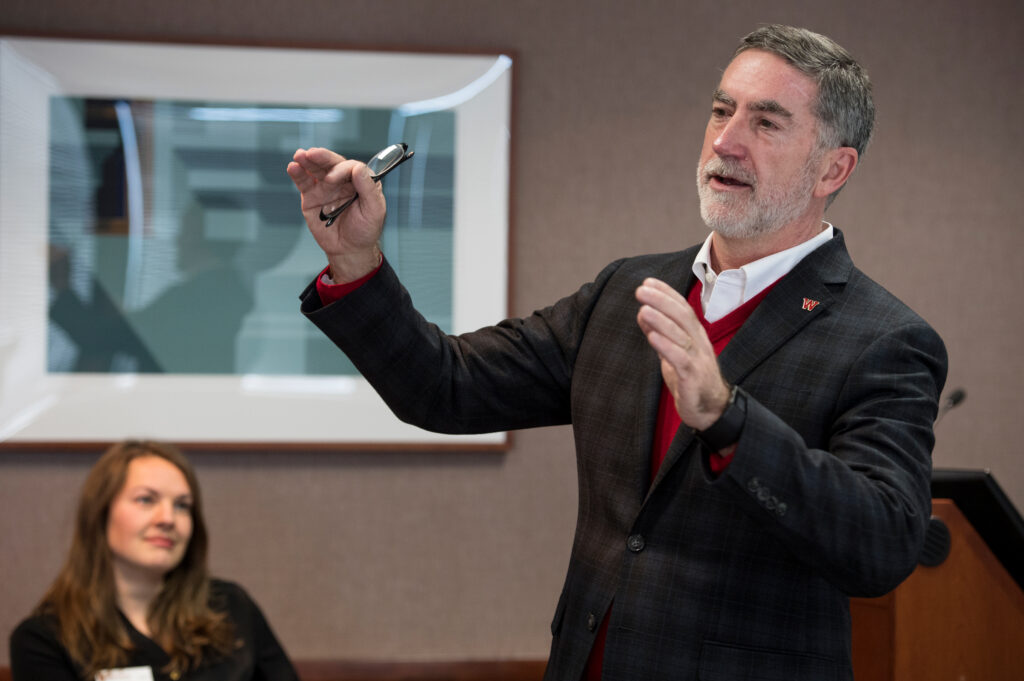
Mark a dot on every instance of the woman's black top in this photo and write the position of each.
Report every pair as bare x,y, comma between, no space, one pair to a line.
37,654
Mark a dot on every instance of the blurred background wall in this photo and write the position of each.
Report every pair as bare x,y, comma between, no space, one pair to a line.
419,556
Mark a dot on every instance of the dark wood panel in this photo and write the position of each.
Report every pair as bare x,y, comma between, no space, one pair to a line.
480,670
345,670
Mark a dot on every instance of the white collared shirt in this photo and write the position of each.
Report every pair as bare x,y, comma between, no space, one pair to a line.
726,291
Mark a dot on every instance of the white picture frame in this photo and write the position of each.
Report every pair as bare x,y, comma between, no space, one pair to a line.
39,408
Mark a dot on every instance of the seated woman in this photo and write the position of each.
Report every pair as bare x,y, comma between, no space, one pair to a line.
134,599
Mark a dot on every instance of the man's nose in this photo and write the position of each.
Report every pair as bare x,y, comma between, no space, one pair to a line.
731,140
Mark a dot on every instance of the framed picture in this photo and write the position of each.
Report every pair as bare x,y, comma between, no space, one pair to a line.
152,249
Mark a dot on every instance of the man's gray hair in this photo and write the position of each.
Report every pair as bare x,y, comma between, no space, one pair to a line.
845,109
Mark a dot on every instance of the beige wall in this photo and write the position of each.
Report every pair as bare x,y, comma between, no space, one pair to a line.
461,555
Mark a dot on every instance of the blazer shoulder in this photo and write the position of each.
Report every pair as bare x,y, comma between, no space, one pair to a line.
832,266
674,268
878,302
621,277
684,257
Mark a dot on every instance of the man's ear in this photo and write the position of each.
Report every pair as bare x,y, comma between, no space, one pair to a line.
837,166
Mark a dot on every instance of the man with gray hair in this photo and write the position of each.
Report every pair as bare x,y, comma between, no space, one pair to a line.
753,415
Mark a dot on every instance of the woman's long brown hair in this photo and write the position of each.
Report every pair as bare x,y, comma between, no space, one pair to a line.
83,597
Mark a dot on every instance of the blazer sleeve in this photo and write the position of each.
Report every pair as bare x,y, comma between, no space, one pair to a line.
515,374
855,506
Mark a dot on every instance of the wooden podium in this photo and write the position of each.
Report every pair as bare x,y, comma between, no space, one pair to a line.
962,620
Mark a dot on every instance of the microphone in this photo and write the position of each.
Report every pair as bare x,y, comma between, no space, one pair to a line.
954,399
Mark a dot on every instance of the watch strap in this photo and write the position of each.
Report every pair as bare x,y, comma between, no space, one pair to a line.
726,430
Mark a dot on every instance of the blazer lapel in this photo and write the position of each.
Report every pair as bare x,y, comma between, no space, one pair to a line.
800,297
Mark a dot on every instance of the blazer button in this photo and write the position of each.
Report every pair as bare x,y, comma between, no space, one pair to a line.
635,543
591,622
780,509
753,484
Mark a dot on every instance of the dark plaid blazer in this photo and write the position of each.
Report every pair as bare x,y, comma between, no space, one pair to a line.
743,576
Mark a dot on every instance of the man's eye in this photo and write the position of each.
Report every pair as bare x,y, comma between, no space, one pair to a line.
767,124
719,112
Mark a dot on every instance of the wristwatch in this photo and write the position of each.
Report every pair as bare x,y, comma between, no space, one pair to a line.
726,430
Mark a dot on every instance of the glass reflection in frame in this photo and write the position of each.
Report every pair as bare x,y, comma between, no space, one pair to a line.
175,242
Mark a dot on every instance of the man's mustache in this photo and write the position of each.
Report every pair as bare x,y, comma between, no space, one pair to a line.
732,170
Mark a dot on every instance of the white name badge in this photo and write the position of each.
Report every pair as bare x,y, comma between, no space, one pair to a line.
126,674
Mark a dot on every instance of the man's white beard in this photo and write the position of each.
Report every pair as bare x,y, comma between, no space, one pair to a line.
759,211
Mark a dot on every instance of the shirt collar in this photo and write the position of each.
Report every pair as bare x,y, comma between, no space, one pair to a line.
742,284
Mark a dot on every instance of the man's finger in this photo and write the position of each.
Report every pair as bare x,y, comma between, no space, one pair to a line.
302,180
323,158
664,335
665,299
